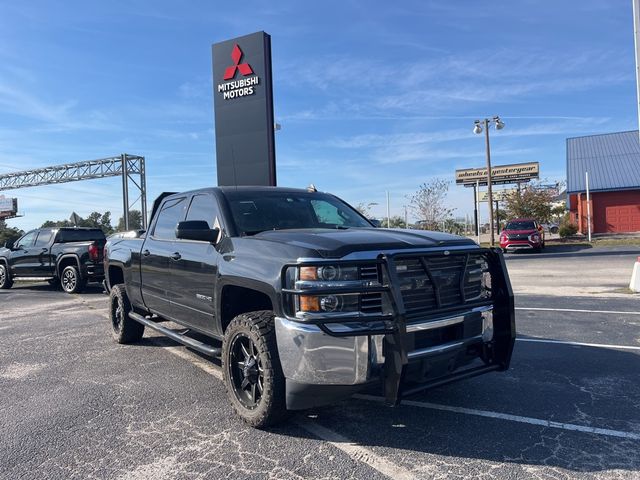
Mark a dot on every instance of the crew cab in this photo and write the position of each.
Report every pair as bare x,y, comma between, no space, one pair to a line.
522,234
306,302
69,257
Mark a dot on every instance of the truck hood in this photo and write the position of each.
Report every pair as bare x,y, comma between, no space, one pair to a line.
332,243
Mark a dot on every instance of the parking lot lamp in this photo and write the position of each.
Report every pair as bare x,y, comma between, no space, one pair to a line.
481,125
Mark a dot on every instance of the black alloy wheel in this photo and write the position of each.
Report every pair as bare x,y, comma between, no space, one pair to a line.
251,369
246,371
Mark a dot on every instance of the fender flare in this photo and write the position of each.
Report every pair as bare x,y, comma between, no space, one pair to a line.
250,284
65,257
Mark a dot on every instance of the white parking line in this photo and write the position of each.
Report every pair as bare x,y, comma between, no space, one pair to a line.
357,452
575,310
511,418
579,344
354,451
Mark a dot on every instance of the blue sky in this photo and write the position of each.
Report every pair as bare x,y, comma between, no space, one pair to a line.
372,96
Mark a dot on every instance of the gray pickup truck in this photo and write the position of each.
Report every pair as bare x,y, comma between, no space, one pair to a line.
306,302
69,257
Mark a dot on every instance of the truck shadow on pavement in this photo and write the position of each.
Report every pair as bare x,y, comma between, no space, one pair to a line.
45,287
562,385
585,387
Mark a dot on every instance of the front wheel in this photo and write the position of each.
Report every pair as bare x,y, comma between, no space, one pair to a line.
251,367
6,281
71,280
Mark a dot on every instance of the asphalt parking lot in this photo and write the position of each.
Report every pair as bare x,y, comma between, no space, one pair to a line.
76,405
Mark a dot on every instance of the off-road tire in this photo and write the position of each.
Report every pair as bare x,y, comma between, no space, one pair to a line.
71,280
6,281
124,329
259,328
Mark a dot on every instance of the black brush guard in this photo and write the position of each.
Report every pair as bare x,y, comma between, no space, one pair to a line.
395,331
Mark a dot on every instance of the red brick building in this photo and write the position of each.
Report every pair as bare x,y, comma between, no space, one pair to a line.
613,163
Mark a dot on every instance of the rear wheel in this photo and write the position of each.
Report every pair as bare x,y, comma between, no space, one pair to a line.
251,367
71,280
6,281
123,328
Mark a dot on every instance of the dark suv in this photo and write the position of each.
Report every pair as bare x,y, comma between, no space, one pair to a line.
522,234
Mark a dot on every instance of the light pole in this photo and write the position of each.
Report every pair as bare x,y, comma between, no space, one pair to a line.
479,126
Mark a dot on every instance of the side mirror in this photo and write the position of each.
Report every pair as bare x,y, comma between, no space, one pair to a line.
375,222
197,230
9,244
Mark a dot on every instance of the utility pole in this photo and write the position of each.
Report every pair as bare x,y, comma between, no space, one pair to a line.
636,38
478,211
479,125
586,178
388,215
489,189
476,227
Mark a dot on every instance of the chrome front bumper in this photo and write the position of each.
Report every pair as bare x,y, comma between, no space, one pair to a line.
310,356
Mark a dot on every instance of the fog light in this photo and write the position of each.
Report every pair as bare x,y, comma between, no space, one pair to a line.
487,326
329,303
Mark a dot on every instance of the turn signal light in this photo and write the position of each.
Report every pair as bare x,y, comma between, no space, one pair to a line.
309,303
308,273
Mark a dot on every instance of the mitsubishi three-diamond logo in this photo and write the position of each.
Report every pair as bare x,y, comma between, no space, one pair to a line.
236,56
242,87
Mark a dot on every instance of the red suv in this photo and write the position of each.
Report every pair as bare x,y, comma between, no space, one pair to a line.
522,234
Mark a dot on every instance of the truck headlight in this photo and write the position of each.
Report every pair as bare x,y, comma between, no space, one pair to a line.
329,303
332,277
328,273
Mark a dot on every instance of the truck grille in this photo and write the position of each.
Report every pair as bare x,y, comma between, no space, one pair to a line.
370,302
429,283
518,236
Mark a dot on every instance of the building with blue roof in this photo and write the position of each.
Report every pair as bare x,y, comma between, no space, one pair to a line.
612,161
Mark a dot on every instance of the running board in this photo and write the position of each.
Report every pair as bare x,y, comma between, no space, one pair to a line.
178,337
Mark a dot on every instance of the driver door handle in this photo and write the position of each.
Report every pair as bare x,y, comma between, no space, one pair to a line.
146,253
176,256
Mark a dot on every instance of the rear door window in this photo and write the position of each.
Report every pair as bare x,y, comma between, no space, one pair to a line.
44,238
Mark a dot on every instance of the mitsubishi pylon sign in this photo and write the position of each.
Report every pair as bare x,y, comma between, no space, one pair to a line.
243,105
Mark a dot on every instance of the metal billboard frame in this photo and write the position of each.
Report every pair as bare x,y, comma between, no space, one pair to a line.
124,165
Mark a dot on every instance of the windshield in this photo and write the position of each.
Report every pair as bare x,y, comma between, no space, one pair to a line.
255,212
520,226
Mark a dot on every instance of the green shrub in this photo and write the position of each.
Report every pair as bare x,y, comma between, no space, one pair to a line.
567,230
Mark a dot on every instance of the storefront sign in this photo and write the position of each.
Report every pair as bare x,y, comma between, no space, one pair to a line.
500,174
